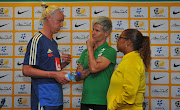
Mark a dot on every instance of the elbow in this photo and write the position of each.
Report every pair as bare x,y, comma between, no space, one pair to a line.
93,70
25,71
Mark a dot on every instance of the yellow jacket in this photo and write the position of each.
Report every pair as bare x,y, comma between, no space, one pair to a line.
127,84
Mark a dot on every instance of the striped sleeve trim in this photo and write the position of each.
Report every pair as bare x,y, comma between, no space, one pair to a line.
33,50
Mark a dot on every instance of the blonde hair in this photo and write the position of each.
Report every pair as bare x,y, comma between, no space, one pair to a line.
49,10
105,22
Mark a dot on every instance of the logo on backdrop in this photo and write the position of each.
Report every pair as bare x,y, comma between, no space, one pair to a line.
119,12
159,38
6,12
140,24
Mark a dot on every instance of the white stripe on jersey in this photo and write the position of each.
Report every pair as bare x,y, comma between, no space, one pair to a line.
33,51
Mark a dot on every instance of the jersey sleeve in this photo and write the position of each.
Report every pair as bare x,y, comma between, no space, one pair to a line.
81,59
110,53
33,52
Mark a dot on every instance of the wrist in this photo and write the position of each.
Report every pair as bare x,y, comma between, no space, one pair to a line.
51,74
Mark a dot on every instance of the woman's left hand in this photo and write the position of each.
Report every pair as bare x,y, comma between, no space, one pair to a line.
90,42
66,57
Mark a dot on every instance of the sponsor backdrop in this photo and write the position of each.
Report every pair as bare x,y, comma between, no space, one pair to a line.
159,20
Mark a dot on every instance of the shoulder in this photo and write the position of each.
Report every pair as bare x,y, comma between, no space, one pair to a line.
110,50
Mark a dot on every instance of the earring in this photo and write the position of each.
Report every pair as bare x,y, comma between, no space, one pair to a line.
126,45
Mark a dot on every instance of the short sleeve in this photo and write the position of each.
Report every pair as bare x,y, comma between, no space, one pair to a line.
110,53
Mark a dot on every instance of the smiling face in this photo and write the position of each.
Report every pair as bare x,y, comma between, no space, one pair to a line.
56,21
98,34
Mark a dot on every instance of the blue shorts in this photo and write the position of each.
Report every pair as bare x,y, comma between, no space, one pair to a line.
53,107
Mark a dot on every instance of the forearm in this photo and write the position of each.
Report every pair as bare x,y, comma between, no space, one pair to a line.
92,63
63,64
28,70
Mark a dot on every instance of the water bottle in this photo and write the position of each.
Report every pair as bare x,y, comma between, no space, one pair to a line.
72,75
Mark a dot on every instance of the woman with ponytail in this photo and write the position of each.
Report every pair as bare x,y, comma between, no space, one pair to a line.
127,86
42,63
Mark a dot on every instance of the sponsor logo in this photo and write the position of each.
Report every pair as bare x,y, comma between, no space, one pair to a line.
158,10
80,10
4,76
177,50
21,49
4,10
5,88
22,101
120,11
159,64
6,37
160,91
20,76
176,78
3,25
64,50
177,103
22,87
2,102
81,37
174,12
19,64
22,12
139,24
178,37
3,49
159,49
119,23
25,24
80,49
159,102
58,38
175,25
66,101
175,65
160,38
79,25
97,12
145,104
49,51
155,26
138,10
23,35
78,89
156,78
4,62
116,36
38,12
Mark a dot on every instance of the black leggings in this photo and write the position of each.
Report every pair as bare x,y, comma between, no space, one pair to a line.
93,107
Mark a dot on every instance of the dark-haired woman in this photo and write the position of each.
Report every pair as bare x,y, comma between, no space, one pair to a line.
127,86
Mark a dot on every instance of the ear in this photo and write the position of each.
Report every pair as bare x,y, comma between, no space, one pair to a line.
128,42
48,17
106,33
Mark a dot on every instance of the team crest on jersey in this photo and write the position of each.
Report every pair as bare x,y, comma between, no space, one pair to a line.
50,53
101,52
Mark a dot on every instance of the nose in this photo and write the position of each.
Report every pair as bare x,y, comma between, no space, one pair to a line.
61,24
93,32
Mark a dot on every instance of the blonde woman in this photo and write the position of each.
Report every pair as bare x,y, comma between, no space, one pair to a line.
42,63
